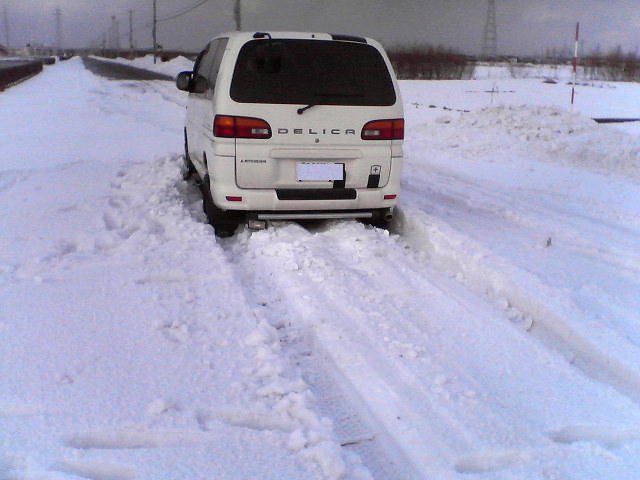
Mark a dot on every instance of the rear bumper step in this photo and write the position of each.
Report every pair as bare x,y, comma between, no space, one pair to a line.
313,215
316,193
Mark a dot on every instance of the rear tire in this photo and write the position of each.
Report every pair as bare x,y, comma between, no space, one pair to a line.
224,223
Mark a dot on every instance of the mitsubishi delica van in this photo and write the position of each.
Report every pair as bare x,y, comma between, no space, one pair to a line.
293,126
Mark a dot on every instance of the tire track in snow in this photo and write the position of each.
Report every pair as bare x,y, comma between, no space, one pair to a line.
522,292
334,397
578,232
340,347
429,364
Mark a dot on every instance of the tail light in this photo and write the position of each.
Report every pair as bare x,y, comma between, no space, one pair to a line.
240,127
384,130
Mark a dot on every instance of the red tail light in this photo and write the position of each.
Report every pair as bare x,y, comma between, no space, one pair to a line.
384,130
240,127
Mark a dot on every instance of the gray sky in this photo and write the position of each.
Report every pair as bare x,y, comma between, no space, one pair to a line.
524,26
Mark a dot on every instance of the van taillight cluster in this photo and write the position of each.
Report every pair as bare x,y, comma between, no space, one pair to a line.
229,126
384,130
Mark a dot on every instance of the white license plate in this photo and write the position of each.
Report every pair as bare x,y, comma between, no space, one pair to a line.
309,172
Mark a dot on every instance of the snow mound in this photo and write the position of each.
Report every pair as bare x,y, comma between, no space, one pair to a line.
541,123
171,67
562,137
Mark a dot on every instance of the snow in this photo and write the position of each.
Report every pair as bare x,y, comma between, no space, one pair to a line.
172,67
493,333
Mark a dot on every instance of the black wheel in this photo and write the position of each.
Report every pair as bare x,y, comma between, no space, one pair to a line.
224,223
188,169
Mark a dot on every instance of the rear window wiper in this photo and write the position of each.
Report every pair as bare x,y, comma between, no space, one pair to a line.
340,95
304,109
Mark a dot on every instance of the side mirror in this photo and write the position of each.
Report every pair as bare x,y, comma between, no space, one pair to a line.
183,80
199,84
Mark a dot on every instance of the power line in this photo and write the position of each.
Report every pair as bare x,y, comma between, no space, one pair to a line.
152,25
184,12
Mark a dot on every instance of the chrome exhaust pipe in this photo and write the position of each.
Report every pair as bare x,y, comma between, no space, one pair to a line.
256,225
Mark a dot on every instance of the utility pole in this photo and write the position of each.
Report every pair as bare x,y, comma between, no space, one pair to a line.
131,31
575,64
112,33
155,32
237,14
116,32
58,15
6,26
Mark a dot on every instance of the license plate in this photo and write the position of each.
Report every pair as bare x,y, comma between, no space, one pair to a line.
319,172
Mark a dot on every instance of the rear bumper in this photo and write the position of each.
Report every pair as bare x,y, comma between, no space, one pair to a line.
267,200
227,195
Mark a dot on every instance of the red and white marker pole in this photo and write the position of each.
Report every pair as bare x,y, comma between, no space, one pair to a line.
575,63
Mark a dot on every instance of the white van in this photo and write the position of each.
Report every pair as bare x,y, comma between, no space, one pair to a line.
285,125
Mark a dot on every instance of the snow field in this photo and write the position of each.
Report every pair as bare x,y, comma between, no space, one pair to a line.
493,333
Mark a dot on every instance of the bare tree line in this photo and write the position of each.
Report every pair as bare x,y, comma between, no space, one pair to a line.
614,66
430,63
441,63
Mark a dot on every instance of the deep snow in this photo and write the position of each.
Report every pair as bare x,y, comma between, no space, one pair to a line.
493,334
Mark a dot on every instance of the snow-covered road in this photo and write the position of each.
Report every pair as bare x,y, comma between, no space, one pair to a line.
493,334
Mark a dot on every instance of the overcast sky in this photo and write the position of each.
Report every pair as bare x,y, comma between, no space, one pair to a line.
523,26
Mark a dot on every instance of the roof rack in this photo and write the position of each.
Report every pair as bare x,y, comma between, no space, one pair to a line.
348,38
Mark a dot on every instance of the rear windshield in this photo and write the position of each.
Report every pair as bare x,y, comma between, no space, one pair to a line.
311,72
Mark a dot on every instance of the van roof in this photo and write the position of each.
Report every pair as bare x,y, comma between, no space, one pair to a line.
248,35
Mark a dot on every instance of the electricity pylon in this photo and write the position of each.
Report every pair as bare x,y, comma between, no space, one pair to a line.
490,39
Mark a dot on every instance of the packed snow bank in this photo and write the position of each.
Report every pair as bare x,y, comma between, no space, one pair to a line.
171,68
555,134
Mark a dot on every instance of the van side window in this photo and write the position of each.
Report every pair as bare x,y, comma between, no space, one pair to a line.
208,62
196,65
217,60
204,66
